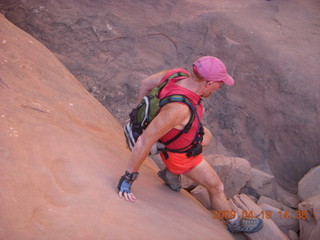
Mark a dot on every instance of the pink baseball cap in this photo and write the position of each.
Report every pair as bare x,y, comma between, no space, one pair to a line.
212,69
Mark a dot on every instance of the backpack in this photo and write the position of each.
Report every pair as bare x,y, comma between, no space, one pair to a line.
149,107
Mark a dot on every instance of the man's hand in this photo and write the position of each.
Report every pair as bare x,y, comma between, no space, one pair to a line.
127,196
124,186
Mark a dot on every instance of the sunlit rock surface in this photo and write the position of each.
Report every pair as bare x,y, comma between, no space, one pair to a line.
269,117
61,156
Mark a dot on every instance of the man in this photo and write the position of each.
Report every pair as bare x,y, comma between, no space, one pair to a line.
208,75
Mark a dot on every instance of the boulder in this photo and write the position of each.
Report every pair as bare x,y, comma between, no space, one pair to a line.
62,154
262,182
245,207
309,185
285,219
310,218
293,235
270,201
234,172
289,199
250,192
266,186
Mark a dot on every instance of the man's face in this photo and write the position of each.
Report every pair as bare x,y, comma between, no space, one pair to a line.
211,87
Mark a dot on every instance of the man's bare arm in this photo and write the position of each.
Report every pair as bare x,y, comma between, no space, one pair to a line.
171,115
149,83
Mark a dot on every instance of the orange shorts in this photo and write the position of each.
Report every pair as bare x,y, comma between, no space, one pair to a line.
179,163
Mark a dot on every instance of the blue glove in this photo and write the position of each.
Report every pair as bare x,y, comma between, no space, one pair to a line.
126,181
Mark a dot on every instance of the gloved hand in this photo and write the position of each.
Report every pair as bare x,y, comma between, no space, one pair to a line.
156,148
125,183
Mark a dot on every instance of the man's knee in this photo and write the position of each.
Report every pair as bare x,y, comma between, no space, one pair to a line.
217,187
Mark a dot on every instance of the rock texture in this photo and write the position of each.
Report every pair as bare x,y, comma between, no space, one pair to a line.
245,207
263,183
234,172
249,191
309,185
271,202
284,222
287,198
61,156
270,47
310,226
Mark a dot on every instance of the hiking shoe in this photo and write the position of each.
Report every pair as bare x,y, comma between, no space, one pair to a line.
172,180
245,225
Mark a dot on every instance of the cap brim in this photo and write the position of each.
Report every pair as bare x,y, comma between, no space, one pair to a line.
229,80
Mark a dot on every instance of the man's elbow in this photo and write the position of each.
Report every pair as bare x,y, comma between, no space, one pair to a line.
143,143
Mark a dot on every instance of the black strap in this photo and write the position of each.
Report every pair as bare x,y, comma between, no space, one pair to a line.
185,100
199,133
157,89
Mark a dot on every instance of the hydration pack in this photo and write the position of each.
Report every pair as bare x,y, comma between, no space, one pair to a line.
147,110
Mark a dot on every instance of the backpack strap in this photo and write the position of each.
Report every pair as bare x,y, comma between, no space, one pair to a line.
153,95
195,147
157,89
185,100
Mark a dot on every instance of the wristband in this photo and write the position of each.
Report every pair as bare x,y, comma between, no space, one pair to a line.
126,181
131,176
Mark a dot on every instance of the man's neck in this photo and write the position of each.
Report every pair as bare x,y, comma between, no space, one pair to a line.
191,84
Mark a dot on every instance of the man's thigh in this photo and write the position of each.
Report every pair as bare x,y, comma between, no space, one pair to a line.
204,174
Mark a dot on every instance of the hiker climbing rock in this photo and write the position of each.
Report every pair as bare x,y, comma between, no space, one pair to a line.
174,130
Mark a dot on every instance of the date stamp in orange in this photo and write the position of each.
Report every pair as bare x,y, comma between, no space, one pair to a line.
263,214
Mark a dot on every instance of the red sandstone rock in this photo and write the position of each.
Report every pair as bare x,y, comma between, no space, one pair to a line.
271,202
285,219
287,198
234,172
244,206
310,226
293,235
271,48
61,156
309,185
263,183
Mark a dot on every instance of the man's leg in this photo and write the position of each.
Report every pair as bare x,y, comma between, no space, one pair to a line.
172,180
206,176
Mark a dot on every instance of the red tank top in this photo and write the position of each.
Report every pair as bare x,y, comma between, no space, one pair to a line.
172,88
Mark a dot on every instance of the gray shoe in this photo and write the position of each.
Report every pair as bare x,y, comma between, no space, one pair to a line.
245,225
172,180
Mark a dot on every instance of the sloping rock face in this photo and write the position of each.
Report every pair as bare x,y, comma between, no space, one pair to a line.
61,156
270,47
